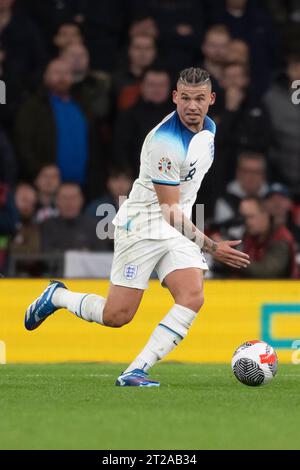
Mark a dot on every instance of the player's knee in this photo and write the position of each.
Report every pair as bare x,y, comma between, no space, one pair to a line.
117,319
194,300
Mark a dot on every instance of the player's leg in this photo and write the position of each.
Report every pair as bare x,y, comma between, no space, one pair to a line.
118,309
186,287
181,270
121,306
125,294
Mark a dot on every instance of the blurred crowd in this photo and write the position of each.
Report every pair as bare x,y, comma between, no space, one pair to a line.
86,80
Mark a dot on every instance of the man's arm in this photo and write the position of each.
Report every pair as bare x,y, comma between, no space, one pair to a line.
168,197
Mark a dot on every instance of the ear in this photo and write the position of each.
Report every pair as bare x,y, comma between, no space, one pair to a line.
175,96
213,98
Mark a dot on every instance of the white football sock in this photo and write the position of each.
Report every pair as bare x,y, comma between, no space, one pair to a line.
166,336
89,307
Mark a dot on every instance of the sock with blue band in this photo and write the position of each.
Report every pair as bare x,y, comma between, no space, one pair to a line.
89,307
166,336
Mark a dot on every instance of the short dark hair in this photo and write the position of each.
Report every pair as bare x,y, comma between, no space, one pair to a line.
71,183
115,171
249,155
68,23
194,76
219,29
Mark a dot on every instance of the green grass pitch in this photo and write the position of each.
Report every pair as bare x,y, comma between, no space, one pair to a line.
77,406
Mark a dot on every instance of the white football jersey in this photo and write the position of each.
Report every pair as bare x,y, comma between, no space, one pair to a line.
171,155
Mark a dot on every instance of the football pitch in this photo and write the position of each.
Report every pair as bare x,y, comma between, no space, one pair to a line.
77,406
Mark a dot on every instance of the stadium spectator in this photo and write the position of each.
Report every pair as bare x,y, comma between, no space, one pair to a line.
8,221
71,230
238,52
89,88
119,184
133,124
8,167
235,76
83,123
271,248
250,21
27,237
250,181
281,207
243,124
52,128
22,42
126,81
214,50
50,14
67,35
47,184
144,25
181,25
284,153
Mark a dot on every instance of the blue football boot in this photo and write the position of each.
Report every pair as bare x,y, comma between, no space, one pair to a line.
42,307
135,378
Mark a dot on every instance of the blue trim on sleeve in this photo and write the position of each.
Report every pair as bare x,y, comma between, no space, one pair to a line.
209,125
166,183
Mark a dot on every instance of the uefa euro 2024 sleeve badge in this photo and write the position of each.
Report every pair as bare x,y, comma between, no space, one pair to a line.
164,165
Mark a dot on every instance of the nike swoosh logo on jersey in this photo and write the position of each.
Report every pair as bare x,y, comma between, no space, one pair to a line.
193,164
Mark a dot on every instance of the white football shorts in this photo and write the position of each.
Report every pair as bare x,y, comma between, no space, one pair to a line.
135,258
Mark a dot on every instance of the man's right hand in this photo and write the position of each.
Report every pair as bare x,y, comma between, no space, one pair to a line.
225,252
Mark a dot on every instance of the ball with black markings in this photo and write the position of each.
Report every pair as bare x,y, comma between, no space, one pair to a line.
254,363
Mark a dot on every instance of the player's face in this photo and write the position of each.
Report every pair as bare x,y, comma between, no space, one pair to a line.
192,104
